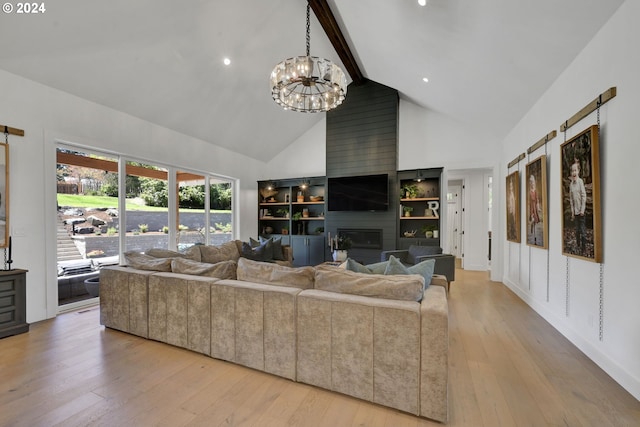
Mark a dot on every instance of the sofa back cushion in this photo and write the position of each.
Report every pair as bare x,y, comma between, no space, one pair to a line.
221,270
163,253
274,274
398,287
227,251
146,262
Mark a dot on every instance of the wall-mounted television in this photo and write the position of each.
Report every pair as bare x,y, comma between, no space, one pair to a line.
358,193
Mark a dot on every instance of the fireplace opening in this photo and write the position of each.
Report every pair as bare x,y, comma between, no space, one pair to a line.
363,238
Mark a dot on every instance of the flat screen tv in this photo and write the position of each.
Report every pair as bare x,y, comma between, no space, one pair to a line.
358,193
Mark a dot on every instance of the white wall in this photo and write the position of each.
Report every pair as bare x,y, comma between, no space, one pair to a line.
47,115
610,59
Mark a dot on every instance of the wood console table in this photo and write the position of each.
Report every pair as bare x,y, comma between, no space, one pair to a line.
13,302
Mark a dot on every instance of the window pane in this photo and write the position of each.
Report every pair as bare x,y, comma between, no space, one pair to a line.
147,199
220,219
87,205
191,209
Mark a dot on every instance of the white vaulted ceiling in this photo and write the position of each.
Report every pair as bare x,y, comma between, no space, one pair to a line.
487,61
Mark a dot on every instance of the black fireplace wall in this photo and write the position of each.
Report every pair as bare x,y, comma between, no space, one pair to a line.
362,139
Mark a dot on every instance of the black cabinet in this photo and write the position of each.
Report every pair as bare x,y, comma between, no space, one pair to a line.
308,250
13,302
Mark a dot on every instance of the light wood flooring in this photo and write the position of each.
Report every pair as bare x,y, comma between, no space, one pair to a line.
508,368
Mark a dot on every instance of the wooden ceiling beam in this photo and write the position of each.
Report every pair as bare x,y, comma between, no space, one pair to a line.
112,166
328,21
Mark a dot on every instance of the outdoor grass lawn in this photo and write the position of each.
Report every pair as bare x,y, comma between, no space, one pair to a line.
137,204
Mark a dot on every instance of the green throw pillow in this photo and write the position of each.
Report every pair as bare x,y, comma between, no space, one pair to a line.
378,267
425,269
356,266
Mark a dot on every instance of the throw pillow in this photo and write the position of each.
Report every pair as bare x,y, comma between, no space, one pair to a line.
397,287
220,270
145,262
356,266
259,253
269,249
395,267
378,267
274,274
278,253
425,269
416,251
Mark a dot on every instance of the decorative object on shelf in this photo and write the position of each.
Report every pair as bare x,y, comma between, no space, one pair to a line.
316,198
283,212
287,198
340,255
285,230
319,230
409,191
411,233
407,210
308,83
428,231
300,197
305,213
267,230
436,234
267,192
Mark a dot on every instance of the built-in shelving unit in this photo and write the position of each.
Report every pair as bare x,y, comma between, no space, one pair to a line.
293,208
420,207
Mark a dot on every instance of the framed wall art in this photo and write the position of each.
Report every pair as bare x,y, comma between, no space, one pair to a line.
4,195
513,207
581,210
536,203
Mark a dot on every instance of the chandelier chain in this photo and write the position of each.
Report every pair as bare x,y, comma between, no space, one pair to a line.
308,30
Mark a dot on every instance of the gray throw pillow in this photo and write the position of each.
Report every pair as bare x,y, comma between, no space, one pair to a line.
262,252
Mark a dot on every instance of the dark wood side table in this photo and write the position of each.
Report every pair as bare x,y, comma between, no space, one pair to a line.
13,302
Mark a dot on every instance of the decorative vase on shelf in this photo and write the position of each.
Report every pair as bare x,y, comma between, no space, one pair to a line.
340,255
435,234
428,234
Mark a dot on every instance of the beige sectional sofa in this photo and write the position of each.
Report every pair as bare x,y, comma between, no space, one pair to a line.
386,350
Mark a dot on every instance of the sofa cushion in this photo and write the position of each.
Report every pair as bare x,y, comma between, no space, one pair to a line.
227,251
163,253
398,287
416,251
221,270
146,262
274,274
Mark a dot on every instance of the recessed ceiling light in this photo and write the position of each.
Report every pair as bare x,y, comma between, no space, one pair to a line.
425,79
226,61
422,2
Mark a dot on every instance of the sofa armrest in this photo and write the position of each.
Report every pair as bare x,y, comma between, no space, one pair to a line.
445,265
400,254
434,363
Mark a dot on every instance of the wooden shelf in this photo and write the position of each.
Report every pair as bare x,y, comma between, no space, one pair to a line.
419,217
421,199
274,204
271,218
307,203
312,218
